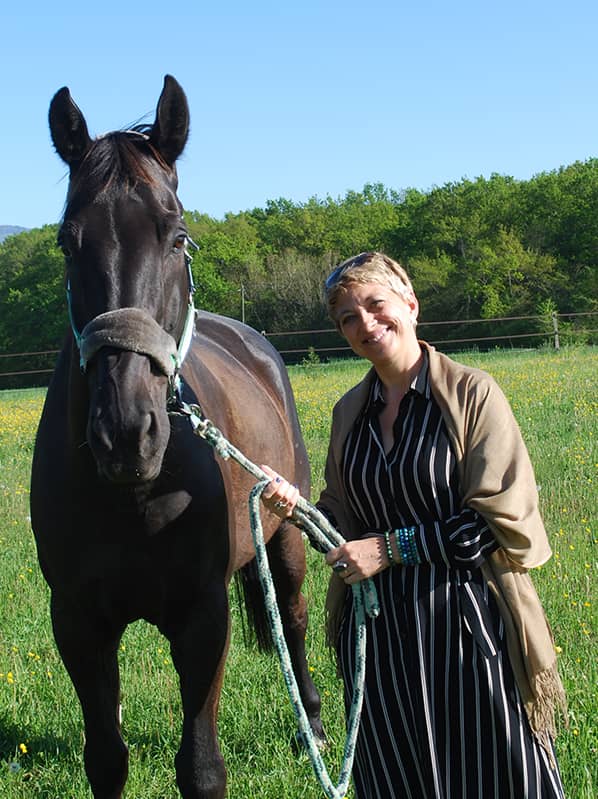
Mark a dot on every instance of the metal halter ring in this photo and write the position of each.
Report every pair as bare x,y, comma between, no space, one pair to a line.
339,566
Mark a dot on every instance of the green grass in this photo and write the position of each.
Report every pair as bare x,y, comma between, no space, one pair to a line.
555,399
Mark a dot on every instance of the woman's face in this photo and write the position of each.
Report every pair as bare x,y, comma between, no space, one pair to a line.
379,324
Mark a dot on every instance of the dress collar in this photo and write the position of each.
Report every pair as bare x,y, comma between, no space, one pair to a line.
420,384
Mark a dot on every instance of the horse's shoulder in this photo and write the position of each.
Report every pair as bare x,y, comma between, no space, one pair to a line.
234,370
230,334
220,338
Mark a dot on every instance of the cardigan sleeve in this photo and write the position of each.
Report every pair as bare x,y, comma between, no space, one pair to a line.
500,482
332,495
496,474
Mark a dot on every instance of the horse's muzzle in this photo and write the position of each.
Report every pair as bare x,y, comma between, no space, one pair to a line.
128,425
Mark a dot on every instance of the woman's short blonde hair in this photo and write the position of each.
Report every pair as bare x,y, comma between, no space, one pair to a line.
367,267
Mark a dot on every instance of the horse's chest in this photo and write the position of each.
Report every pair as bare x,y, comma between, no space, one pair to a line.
130,557
162,511
129,578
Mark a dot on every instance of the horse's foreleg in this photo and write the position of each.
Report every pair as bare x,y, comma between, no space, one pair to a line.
198,653
286,553
90,658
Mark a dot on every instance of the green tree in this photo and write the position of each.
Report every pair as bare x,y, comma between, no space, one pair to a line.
32,297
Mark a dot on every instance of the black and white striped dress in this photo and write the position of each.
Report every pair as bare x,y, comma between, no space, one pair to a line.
442,717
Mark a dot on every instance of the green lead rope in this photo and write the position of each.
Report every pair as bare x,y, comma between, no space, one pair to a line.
365,602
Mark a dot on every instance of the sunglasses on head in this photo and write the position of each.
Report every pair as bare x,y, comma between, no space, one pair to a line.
343,268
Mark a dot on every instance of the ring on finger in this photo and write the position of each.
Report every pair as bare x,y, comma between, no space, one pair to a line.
339,566
280,504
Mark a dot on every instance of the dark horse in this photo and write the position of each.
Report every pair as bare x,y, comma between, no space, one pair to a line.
134,516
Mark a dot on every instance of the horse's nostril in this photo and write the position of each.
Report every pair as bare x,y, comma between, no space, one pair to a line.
100,433
148,428
150,423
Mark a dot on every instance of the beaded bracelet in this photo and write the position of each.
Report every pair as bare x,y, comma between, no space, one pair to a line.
391,557
406,546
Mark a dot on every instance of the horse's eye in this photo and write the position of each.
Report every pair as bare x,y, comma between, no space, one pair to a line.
179,242
64,248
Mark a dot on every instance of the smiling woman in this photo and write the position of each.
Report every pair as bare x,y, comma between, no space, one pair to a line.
379,325
428,478
378,318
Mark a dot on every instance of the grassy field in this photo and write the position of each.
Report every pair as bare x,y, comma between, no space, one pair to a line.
555,399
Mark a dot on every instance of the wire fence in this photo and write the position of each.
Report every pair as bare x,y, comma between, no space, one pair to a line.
552,330
35,367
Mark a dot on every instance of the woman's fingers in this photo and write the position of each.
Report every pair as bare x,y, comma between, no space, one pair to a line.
357,560
333,555
279,496
275,481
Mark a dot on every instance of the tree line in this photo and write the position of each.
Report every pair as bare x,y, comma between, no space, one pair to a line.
475,249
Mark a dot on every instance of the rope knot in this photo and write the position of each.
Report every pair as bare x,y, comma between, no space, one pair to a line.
217,440
222,450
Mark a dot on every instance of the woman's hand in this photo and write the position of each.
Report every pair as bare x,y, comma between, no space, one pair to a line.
279,496
361,559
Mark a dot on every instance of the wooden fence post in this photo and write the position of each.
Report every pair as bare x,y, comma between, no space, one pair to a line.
555,330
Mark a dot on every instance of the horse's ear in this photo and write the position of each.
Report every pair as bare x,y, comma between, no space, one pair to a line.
171,127
68,128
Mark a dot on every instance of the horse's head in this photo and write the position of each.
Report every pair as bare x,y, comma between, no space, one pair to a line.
128,282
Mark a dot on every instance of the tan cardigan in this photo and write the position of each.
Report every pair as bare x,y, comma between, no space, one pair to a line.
497,480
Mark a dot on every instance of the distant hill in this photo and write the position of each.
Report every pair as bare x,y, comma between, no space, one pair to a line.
10,230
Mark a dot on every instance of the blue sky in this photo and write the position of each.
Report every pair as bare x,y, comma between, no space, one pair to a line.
306,98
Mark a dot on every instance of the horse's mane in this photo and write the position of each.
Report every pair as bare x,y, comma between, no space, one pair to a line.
117,161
